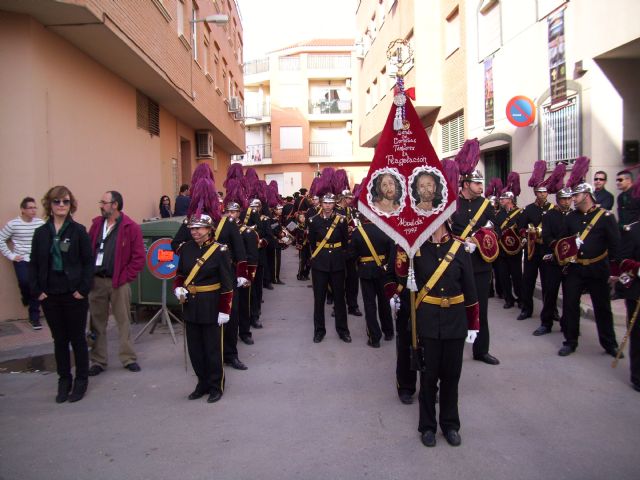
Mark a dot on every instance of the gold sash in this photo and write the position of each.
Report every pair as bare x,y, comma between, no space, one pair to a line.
444,264
326,237
199,262
474,220
374,254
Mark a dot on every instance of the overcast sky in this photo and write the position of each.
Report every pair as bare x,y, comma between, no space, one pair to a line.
272,24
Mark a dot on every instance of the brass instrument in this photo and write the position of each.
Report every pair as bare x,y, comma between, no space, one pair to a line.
632,322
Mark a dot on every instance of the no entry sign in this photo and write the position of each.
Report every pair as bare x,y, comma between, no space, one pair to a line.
161,260
521,111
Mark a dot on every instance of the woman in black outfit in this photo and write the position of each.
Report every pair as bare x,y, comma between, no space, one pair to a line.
61,270
165,207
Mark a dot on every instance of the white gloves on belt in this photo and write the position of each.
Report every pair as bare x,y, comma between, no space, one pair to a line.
181,293
469,246
242,282
394,303
471,336
579,242
223,318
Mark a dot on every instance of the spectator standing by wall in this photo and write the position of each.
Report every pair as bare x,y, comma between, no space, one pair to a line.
603,197
165,207
20,232
182,201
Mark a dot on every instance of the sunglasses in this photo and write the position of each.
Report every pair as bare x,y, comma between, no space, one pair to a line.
598,179
58,201
619,179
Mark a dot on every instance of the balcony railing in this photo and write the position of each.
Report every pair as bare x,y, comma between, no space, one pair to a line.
263,110
330,149
289,63
320,107
255,154
329,62
256,66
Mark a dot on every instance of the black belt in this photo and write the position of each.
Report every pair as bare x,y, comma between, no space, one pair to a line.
103,275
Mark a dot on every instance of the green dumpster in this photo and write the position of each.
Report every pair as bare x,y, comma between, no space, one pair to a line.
147,289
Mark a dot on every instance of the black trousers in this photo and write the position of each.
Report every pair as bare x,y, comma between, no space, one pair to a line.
351,287
553,282
529,276
481,345
405,377
443,364
321,282
231,328
67,319
277,261
634,343
304,257
205,345
22,274
510,276
495,280
244,311
256,295
598,289
267,279
372,293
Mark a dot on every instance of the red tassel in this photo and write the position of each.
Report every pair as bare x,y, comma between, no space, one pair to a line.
473,316
411,93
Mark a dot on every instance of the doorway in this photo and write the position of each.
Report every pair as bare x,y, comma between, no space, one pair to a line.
497,163
185,160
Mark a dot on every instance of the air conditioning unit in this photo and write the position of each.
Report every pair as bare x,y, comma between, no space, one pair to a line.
349,126
204,144
237,116
234,104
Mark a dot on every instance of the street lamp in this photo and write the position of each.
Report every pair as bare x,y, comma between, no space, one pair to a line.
218,19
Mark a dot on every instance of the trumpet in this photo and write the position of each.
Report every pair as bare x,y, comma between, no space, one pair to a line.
489,225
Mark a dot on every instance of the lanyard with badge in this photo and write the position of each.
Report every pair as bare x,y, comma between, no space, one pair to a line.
106,229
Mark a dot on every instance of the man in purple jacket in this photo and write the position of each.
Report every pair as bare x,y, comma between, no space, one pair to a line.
119,256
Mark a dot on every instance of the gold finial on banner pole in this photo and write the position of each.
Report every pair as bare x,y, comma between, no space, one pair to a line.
399,54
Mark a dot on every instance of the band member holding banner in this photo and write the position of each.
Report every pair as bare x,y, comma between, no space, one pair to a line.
596,238
530,225
510,258
474,222
438,273
204,284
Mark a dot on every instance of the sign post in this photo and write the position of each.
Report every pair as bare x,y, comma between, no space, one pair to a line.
163,264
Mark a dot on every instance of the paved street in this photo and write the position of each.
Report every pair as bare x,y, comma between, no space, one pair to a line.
325,411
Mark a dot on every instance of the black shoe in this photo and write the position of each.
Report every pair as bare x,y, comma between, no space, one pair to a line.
317,338
566,350
95,370
524,314
196,394
35,324
256,324
372,344
541,330
614,353
491,294
268,287
236,363
345,337
329,301
428,438
246,340
487,358
636,387
214,397
453,438
388,337
79,389
355,312
406,398
279,282
64,388
133,367
508,305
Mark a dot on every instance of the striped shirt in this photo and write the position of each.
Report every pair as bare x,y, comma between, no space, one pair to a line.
21,234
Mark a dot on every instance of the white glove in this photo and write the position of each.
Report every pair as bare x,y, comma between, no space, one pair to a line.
638,272
548,257
181,293
242,282
394,303
579,242
523,242
471,336
469,246
223,318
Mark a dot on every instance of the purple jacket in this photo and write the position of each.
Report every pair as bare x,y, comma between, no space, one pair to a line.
130,254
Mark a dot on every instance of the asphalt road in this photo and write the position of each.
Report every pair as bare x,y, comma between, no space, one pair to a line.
327,411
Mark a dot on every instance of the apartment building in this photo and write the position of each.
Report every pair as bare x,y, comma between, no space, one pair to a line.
128,95
300,114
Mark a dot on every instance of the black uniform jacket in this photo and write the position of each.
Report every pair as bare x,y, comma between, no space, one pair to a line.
203,307
553,229
465,211
435,321
603,237
630,249
77,260
533,214
384,247
328,259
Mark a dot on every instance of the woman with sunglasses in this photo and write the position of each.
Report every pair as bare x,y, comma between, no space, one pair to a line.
165,207
60,275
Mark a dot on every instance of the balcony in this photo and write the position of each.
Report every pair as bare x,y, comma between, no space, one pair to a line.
256,66
256,155
289,63
257,114
329,107
331,151
329,62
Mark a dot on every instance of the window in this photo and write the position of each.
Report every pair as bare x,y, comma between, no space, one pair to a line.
489,28
329,99
560,132
452,32
205,58
180,17
452,133
194,31
147,114
290,138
